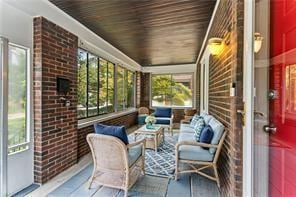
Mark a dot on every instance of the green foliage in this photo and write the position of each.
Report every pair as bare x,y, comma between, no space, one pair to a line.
169,92
102,88
17,79
81,91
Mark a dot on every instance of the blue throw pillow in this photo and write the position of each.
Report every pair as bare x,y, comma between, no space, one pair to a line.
206,134
163,112
116,131
200,124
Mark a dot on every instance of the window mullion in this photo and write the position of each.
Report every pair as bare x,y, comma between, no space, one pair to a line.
107,87
98,89
87,84
115,87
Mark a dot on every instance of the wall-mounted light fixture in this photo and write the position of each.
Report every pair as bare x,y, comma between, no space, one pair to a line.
215,45
257,42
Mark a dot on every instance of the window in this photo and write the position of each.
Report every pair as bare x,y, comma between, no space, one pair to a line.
110,98
120,88
96,86
172,90
82,82
130,89
92,86
103,72
17,98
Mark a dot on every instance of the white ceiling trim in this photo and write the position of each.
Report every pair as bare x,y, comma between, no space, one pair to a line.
204,44
51,12
180,68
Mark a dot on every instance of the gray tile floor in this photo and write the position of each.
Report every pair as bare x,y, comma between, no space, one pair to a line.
190,185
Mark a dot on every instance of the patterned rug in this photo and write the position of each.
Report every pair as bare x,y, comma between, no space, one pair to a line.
162,162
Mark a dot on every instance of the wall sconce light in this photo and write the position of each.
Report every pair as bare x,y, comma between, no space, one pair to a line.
257,42
215,45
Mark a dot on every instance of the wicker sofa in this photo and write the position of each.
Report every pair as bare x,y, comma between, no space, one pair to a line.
199,156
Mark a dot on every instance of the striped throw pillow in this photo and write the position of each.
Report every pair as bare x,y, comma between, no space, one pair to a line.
200,124
194,119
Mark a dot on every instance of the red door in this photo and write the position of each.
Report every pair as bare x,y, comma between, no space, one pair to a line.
282,105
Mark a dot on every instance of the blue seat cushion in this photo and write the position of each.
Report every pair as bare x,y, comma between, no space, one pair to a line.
163,112
162,121
116,131
186,137
195,153
186,128
133,154
206,134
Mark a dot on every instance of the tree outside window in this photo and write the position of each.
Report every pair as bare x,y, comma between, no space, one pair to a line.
172,90
96,86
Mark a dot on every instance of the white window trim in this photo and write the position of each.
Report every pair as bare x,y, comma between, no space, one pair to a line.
193,90
101,118
3,118
248,95
204,82
126,71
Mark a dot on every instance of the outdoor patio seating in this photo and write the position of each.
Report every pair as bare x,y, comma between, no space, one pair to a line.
116,165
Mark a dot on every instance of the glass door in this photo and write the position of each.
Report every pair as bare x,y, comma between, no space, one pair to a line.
16,114
3,115
274,102
261,110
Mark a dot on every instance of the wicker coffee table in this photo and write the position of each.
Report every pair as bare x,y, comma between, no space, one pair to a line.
154,137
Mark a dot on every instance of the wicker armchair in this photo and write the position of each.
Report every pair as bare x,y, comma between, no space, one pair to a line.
116,165
143,110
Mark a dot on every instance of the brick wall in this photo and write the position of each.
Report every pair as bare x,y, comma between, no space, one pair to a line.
126,120
55,134
58,144
197,89
145,90
138,89
225,69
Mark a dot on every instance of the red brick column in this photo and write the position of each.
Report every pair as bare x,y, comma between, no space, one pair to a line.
55,126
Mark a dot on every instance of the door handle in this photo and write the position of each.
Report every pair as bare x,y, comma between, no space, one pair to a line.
269,129
259,113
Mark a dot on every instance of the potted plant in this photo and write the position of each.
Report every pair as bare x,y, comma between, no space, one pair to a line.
150,120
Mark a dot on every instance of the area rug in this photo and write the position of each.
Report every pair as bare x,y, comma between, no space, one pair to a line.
162,162
149,186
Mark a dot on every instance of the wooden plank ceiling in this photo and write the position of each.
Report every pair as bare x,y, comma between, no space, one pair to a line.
152,32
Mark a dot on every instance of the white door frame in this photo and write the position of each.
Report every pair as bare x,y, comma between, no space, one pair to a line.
3,117
248,95
204,81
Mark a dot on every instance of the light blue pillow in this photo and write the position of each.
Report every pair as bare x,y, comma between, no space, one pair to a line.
218,129
200,124
203,114
207,118
195,118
